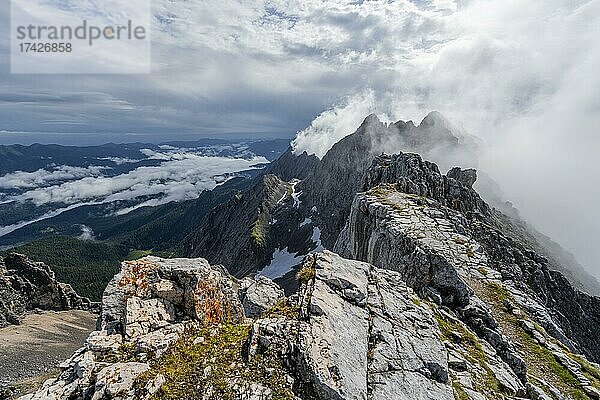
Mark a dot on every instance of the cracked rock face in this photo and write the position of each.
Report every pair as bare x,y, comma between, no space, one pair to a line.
448,246
151,293
362,336
334,340
408,358
259,295
358,332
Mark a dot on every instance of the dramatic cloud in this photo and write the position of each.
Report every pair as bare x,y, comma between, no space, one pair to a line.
521,75
334,124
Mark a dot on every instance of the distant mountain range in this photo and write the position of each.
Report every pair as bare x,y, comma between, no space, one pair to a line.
41,182
117,198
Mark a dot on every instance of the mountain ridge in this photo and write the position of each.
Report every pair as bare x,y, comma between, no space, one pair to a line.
331,182
427,297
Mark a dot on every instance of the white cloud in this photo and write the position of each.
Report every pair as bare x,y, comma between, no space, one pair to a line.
42,177
334,124
181,178
522,75
120,160
86,233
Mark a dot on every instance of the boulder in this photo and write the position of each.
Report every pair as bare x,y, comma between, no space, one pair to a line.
116,381
259,295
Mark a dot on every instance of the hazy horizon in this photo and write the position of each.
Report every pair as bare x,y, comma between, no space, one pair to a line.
98,139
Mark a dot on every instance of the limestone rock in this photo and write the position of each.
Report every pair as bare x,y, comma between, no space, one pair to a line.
259,295
116,381
334,345
102,342
467,177
145,316
183,287
364,334
145,309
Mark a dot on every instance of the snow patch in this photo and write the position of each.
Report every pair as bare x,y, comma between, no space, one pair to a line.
316,238
296,195
306,222
282,263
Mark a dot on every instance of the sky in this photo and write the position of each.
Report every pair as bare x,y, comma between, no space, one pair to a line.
520,75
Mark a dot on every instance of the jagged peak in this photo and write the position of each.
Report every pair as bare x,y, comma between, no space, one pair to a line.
372,118
414,175
467,177
404,125
435,118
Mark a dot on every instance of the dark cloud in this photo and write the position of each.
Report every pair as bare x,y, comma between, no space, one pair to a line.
521,75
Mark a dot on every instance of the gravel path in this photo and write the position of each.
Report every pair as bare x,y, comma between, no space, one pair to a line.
31,352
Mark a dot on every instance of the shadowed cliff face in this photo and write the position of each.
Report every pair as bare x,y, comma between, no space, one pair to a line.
236,233
26,285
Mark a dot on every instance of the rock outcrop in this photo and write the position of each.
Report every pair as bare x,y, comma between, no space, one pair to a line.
26,285
145,309
352,331
248,232
259,295
364,335
238,233
447,245
341,174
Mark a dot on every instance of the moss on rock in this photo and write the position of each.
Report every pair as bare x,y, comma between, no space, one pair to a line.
209,363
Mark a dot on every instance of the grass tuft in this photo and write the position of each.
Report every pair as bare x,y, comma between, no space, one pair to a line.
541,362
259,231
474,351
283,308
307,272
210,369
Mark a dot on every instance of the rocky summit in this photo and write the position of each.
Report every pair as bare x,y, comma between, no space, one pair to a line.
302,204
428,293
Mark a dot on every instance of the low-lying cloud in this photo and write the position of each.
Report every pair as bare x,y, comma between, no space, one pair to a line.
45,176
180,176
183,178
